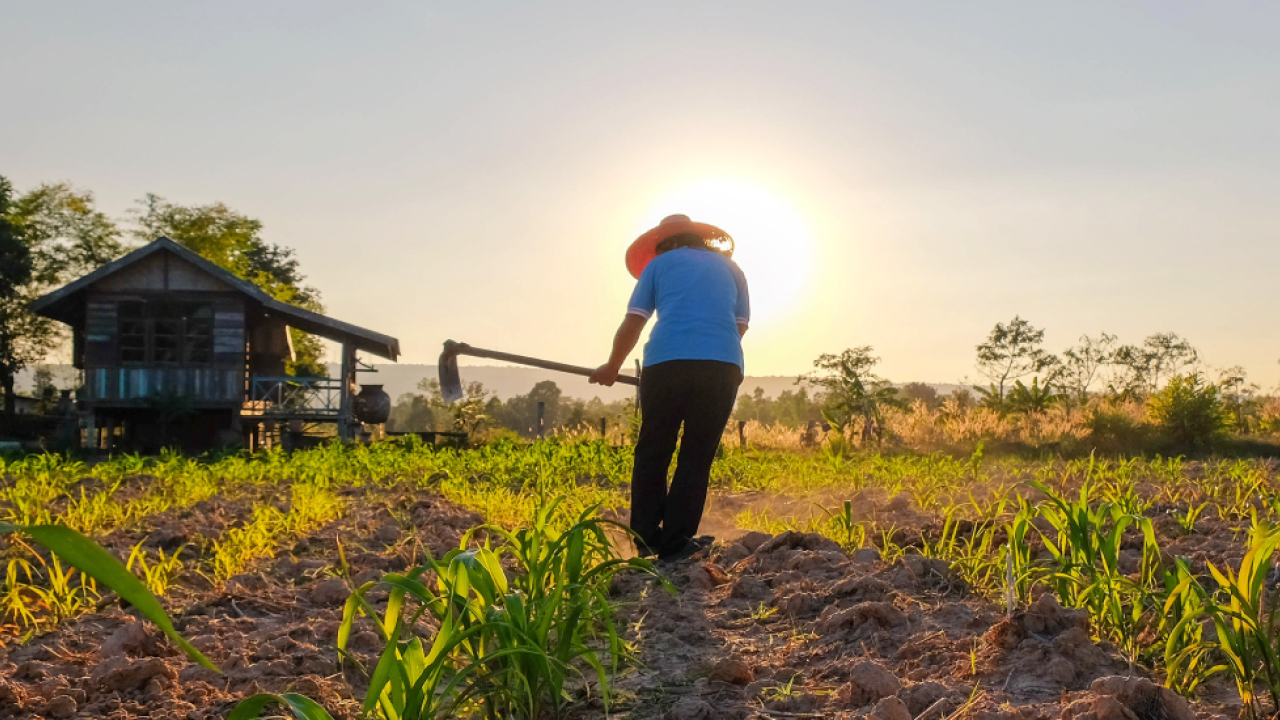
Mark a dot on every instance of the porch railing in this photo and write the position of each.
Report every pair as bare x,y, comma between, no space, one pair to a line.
294,397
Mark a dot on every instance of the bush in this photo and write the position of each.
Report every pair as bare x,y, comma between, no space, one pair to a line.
1116,427
1267,418
1188,412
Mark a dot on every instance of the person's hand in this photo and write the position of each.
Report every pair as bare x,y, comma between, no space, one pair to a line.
605,375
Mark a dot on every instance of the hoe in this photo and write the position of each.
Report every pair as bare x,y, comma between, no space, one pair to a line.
451,381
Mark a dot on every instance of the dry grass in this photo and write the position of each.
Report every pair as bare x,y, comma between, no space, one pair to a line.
951,427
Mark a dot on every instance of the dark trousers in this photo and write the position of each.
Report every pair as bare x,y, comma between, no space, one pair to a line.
698,394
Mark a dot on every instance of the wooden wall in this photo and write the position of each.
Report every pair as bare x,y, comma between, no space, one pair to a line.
221,381
161,272
137,384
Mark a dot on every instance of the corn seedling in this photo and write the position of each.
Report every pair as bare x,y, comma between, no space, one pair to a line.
890,551
91,560
1187,657
763,612
843,528
1247,629
157,574
1187,519
1086,552
505,646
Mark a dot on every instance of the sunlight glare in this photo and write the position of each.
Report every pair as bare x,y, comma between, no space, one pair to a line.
773,247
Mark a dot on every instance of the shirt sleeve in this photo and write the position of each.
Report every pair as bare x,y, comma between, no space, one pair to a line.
742,309
644,299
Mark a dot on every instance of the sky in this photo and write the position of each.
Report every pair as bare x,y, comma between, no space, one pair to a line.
902,175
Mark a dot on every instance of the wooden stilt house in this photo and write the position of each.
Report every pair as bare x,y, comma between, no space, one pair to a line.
177,350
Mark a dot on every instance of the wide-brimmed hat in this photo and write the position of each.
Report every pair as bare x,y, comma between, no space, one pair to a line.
645,247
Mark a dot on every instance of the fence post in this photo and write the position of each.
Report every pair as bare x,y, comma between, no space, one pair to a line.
742,433
542,411
604,428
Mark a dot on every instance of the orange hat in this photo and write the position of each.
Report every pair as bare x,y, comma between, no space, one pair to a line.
645,248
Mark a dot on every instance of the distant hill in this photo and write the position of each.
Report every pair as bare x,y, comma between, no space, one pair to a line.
504,380
507,381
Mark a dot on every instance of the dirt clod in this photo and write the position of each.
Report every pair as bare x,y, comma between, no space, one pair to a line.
750,588
868,683
388,533
753,540
733,671
130,639
890,708
866,556
690,708
62,706
734,554
1143,699
120,673
330,591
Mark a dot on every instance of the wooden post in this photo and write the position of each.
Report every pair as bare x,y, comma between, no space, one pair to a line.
91,431
604,428
542,413
346,421
742,433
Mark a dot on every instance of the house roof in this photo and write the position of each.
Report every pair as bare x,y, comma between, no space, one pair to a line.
61,304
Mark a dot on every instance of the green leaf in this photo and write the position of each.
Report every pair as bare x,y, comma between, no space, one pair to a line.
86,556
303,708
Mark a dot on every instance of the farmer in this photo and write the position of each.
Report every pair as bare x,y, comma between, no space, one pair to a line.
692,369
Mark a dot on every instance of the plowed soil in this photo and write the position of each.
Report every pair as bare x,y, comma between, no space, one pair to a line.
786,626
272,630
791,626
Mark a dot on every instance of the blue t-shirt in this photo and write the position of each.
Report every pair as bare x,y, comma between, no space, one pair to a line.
701,298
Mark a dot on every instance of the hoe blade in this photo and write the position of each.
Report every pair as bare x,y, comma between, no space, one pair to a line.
450,380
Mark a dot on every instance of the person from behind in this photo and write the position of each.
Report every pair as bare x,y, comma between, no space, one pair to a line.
693,365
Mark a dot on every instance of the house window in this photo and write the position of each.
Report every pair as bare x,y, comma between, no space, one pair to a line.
165,333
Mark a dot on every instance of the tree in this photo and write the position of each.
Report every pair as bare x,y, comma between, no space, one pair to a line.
43,388
64,236
1239,396
852,390
1189,411
1081,364
233,241
960,399
68,236
520,413
755,407
15,272
1160,356
914,391
1033,398
796,408
466,415
412,413
1011,352
791,408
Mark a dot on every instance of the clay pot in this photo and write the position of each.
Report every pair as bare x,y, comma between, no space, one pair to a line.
372,405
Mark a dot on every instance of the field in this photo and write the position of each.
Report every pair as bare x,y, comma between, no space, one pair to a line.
842,584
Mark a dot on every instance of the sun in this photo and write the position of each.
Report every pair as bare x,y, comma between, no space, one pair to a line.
773,247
